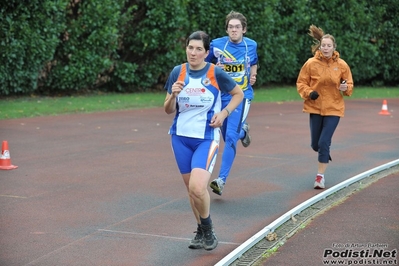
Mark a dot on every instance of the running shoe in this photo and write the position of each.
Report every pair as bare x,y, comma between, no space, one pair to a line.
196,242
319,182
217,186
247,139
209,241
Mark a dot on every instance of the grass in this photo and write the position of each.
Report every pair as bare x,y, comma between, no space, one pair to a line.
285,94
12,107
44,106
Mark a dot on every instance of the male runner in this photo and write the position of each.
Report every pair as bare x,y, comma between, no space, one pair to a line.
237,55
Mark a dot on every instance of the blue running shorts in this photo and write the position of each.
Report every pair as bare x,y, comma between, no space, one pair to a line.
193,153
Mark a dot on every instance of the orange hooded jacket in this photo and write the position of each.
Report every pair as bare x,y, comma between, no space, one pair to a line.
324,76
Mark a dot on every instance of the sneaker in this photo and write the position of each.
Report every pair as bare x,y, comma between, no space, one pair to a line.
319,182
196,242
247,139
217,186
209,241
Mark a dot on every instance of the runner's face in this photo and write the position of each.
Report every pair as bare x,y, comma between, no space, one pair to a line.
196,54
235,30
327,47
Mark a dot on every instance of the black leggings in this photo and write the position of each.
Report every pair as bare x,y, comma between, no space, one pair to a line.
321,131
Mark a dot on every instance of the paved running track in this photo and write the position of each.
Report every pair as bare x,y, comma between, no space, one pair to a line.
104,189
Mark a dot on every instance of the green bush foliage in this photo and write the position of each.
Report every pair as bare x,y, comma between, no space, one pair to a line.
86,53
74,46
152,39
29,35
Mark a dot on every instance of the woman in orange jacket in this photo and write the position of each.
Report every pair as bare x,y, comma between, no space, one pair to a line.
322,82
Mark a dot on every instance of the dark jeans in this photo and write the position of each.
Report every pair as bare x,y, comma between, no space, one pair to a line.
321,131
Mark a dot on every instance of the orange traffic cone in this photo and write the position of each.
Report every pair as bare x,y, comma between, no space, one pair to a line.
5,159
384,110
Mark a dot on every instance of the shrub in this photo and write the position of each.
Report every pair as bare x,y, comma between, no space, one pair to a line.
29,33
87,53
64,47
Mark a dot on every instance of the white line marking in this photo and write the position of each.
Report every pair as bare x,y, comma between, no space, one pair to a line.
159,236
12,196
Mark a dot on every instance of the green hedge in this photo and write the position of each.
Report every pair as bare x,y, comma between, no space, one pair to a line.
29,35
64,47
86,53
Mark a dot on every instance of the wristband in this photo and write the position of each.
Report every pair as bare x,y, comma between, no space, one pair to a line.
228,111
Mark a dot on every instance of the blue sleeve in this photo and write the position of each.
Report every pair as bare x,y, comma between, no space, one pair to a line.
173,76
226,83
211,56
254,54
252,51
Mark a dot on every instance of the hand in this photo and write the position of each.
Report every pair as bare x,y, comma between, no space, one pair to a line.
314,95
343,86
218,64
177,87
218,119
252,80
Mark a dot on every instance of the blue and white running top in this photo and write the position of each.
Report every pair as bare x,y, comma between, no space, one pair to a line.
199,100
237,59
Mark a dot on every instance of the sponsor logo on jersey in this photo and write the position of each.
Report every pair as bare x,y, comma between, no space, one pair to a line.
184,99
206,99
195,91
206,81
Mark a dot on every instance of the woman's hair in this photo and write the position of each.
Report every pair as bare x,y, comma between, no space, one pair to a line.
318,34
236,15
200,36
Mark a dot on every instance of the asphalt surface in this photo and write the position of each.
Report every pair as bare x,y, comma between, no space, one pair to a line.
104,189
